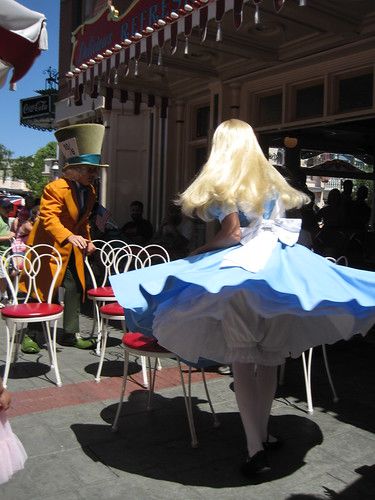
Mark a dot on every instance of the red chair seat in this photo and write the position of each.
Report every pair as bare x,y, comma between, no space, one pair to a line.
31,310
135,340
112,309
101,291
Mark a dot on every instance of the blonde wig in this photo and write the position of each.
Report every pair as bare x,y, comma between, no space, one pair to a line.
237,174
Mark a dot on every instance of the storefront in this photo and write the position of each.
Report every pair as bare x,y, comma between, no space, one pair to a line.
162,74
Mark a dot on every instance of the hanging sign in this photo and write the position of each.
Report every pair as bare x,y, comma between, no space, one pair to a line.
35,107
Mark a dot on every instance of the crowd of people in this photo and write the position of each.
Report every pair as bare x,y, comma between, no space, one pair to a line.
344,222
342,211
244,301
339,227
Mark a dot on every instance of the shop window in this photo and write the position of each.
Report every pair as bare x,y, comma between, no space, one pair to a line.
202,122
309,101
355,92
200,158
269,109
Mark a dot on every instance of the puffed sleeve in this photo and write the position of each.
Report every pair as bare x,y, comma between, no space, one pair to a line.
219,212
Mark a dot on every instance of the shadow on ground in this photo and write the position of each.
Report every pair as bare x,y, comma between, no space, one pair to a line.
113,368
156,444
27,369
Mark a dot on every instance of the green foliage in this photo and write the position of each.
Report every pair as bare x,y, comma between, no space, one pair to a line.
36,180
30,168
5,156
21,166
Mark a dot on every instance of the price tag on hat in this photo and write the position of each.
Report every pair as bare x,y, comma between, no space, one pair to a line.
69,148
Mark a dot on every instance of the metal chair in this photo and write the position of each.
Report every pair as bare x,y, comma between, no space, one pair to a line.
101,292
342,260
125,258
140,345
31,308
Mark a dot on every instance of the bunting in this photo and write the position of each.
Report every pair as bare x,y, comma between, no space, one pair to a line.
117,40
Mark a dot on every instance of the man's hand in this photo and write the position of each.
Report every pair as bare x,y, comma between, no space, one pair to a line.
11,235
90,248
78,241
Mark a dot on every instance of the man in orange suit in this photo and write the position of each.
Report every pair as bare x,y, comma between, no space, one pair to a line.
65,208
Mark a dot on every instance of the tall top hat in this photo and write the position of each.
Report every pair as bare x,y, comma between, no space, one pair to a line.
81,144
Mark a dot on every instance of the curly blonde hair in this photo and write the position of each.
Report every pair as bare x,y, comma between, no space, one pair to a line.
237,174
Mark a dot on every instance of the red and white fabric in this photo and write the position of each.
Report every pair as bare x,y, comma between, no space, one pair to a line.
23,35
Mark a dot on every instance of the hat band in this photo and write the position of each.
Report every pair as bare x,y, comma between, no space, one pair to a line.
92,158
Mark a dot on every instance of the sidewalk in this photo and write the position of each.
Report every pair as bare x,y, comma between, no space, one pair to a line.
74,455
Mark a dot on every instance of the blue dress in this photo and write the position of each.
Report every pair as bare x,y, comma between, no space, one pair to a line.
261,301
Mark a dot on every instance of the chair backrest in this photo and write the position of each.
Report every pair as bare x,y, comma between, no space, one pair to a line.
330,242
157,254
32,263
16,264
100,264
342,260
134,256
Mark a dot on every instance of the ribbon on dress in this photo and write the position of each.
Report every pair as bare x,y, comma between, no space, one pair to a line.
259,240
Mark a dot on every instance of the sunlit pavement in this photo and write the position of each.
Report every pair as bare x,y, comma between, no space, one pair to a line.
74,455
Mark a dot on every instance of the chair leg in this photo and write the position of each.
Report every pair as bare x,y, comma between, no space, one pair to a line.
124,380
189,390
100,326
307,375
52,349
144,372
102,349
335,397
152,378
18,340
95,316
189,413
9,346
49,346
214,416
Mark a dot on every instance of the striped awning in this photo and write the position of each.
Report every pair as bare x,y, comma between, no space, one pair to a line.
109,40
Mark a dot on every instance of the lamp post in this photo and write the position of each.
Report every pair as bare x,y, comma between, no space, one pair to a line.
55,170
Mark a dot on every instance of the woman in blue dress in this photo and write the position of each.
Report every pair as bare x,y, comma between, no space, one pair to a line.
251,296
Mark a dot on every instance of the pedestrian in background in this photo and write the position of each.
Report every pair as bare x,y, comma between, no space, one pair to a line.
6,236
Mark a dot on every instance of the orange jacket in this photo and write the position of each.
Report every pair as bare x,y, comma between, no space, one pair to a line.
59,218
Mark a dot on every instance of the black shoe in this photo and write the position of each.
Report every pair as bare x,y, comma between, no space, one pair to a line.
273,445
257,464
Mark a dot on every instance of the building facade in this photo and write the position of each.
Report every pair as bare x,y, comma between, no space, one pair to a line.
300,72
